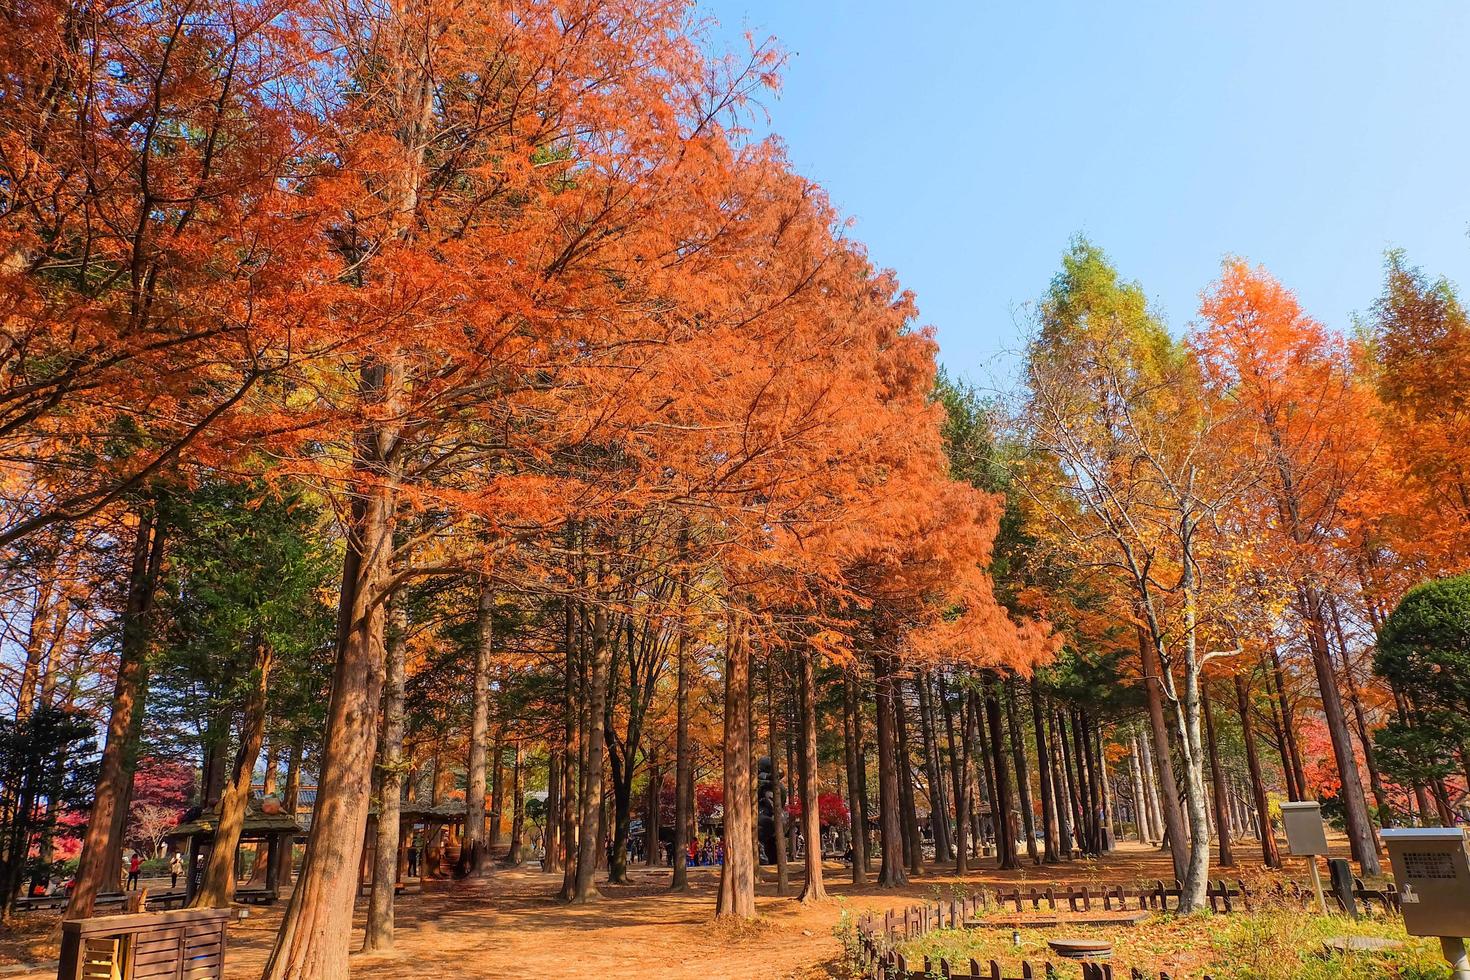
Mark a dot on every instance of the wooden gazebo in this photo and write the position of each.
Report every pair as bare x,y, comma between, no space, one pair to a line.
278,831
443,820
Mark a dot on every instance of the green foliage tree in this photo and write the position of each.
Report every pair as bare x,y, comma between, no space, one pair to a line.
1424,654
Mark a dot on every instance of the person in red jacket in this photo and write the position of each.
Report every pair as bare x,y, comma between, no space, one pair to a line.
134,866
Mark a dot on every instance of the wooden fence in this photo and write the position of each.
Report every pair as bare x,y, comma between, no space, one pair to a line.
877,936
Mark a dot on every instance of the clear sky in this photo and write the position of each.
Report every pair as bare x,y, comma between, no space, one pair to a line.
971,140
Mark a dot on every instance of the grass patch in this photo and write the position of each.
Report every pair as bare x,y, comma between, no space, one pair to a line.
1267,944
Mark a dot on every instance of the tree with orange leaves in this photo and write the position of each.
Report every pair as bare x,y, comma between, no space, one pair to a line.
1304,411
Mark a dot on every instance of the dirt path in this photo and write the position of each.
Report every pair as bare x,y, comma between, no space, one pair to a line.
511,926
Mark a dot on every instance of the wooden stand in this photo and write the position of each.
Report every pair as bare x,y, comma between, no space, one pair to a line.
1317,883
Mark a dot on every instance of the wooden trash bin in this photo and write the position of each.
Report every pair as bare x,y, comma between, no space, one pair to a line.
188,944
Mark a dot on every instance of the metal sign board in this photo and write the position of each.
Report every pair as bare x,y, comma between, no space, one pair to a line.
1305,833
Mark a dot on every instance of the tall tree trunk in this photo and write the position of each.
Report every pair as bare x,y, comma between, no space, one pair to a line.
378,935
218,886
1005,838
891,872
865,805
513,857
855,780
1043,773
1269,854
938,804
317,926
1217,780
589,841
913,846
102,843
1163,758
1140,799
475,847
571,742
1061,785
683,764
497,793
1360,716
1296,785
778,802
984,763
1087,780
959,767
737,875
551,861
814,890
1076,791
1023,774
1151,790
291,795
651,828
1361,832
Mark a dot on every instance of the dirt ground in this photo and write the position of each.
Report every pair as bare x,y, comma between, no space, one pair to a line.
511,926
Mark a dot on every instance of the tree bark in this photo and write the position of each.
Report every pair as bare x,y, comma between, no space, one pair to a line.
934,771
959,767
737,875
1291,754
1217,780
651,829
475,847
513,857
1269,854
1361,832
571,742
317,925
1140,796
891,872
589,841
1023,776
855,778
378,934
102,843
913,850
1043,772
218,886
1163,758
1005,838
778,802
1061,792
814,890
683,765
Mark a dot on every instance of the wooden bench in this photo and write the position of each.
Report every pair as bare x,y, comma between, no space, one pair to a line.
256,896
188,944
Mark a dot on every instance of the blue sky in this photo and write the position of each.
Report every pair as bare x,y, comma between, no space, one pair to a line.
970,141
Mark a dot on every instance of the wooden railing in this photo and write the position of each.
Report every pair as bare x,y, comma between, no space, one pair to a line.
184,945
876,936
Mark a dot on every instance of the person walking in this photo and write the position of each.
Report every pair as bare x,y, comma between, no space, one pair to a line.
134,867
175,868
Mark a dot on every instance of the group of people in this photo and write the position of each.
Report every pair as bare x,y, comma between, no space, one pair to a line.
132,869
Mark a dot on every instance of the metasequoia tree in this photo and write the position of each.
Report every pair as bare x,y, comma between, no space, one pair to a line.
1303,410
